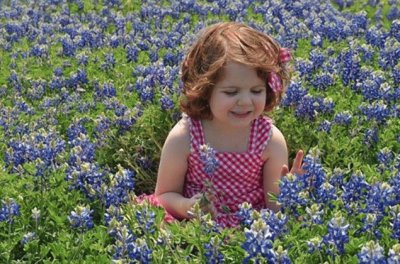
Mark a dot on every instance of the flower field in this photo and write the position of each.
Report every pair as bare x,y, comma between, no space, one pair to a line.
90,89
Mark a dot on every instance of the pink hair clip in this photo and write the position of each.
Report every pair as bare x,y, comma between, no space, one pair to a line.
273,79
284,55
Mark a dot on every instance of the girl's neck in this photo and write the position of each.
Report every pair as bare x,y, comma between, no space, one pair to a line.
224,138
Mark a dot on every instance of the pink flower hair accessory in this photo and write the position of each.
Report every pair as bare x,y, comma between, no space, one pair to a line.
275,82
273,79
284,55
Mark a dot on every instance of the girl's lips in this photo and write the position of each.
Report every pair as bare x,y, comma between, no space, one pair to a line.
241,114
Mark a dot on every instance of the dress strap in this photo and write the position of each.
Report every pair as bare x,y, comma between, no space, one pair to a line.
261,134
196,133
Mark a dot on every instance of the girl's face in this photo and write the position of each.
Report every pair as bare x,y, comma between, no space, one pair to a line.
238,97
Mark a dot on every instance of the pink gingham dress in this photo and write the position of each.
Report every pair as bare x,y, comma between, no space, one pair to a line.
238,176
236,179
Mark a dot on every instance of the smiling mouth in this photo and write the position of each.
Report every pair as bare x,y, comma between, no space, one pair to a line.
241,114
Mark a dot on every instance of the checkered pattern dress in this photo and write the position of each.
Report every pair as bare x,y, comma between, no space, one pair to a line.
238,176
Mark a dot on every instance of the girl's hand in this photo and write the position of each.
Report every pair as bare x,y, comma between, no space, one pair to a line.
206,202
297,167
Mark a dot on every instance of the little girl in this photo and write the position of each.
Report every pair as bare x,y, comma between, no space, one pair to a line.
224,146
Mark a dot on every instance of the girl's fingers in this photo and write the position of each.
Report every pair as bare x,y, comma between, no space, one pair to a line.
298,160
285,170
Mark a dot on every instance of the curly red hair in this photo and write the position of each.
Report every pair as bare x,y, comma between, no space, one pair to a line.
217,44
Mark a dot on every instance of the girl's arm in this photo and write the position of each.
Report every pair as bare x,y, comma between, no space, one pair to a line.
172,171
276,156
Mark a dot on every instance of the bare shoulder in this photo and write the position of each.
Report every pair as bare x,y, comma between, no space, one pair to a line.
179,136
276,144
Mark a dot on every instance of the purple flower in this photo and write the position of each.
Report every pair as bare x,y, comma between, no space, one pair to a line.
338,234
129,249
28,237
209,159
372,252
212,251
81,218
9,209
395,222
394,255
258,242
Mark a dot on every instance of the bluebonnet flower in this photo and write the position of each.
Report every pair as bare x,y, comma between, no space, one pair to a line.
314,175
351,66
146,219
371,136
336,178
258,242
309,107
338,234
322,81
36,216
325,126
128,119
317,41
371,221
81,219
209,159
212,251
291,188
109,62
395,29
377,111
68,47
129,249
326,193
375,38
314,244
281,256
166,102
359,22
394,254
276,221
9,209
394,13
305,68
245,214
372,252
355,192
28,237
343,118
317,59
314,214
132,53
395,221
385,157
119,187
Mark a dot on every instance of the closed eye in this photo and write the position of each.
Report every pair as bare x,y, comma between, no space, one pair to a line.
257,91
230,92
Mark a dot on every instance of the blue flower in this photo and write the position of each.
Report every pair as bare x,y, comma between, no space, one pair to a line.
394,255
119,187
9,209
372,252
395,221
258,242
212,251
245,214
130,249
209,159
81,218
338,234
28,237
166,102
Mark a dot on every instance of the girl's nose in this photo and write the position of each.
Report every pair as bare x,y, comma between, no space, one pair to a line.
244,99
